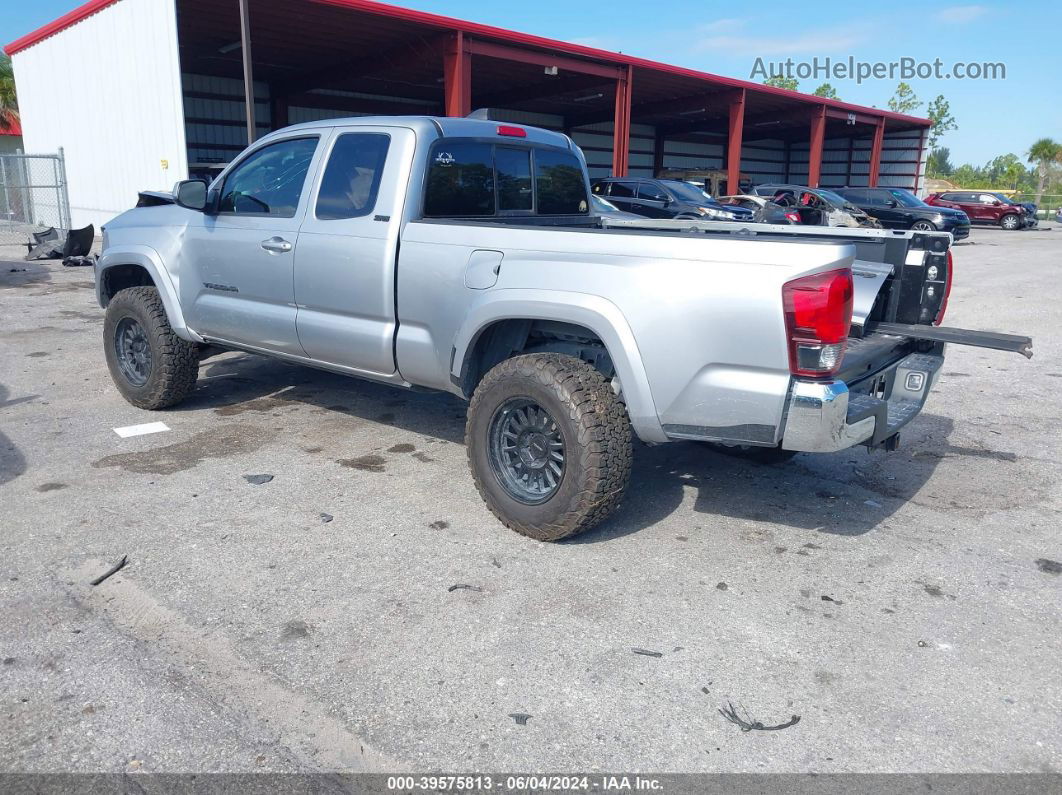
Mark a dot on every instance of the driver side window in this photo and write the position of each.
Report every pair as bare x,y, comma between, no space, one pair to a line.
270,181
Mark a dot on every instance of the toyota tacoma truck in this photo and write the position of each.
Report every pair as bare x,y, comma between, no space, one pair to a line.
464,256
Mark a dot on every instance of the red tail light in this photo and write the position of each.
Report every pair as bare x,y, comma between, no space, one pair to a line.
950,276
818,314
515,132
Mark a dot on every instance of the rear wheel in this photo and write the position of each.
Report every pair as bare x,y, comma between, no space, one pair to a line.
549,445
923,226
1009,221
152,367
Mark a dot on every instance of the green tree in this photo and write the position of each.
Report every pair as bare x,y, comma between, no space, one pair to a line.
782,82
938,164
967,176
8,99
1046,154
939,112
826,90
904,100
1005,171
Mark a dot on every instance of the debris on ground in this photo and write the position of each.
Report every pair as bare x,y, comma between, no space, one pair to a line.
117,567
326,517
647,652
747,724
257,480
521,718
463,587
18,270
872,503
826,598
1049,566
722,586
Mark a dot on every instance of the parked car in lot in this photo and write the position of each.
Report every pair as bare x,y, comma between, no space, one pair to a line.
817,206
896,208
666,198
764,210
607,209
985,207
462,256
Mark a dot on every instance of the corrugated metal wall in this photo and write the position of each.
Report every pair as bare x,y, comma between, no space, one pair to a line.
107,90
846,162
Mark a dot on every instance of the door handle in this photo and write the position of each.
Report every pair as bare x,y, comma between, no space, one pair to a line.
277,245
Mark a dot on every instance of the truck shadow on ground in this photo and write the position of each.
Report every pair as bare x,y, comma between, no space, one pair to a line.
846,493
12,462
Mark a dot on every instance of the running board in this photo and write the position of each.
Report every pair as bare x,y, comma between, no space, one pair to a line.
958,336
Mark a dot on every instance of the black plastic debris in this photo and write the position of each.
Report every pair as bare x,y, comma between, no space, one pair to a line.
521,718
87,261
18,270
647,652
51,244
117,567
463,587
748,724
326,517
826,598
257,480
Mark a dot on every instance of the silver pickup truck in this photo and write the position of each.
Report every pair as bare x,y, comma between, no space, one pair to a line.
463,255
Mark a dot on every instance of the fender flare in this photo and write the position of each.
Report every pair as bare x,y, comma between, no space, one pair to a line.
593,312
148,259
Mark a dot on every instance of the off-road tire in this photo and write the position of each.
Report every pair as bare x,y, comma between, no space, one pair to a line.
597,443
1010,222
174,361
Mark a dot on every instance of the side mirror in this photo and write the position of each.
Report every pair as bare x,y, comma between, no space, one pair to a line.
191,194
997,203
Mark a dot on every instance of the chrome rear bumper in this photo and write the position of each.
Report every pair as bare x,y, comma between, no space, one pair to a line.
825,416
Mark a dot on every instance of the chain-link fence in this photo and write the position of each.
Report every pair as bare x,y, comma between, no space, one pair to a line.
32,196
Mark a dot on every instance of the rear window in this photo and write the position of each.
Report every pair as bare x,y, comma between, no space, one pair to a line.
559,182
480,179
460,179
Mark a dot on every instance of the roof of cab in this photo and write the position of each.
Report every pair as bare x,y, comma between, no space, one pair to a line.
438,126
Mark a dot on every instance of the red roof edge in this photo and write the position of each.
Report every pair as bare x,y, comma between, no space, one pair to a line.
65,21
14,129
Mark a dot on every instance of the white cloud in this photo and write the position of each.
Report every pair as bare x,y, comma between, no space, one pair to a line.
958,15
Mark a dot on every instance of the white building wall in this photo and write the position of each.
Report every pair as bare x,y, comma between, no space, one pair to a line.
108,91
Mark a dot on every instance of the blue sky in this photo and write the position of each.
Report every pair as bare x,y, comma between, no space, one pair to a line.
994,117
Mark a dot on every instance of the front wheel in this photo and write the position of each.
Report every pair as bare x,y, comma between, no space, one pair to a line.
549,445
1010,222
152,367
923,226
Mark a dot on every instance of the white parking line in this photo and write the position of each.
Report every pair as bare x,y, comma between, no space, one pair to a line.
140,430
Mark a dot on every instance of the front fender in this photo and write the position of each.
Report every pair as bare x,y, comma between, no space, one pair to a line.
148,259
593,312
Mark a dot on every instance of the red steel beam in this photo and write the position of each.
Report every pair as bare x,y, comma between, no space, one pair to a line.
733,146
489,49
818,135
621,131
875,153
457,76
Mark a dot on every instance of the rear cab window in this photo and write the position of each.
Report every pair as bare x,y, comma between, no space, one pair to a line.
481,179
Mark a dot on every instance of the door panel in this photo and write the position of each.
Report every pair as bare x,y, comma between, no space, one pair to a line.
348,242
237,265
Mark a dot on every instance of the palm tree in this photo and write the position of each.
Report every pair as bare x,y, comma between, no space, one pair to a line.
1044,152
8,100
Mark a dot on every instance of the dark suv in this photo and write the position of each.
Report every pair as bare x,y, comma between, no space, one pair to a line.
985,207
897,208
666,198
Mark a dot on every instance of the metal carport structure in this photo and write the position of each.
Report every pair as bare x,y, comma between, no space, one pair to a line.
311,59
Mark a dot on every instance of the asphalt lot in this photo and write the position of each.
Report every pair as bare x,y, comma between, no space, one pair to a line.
905,606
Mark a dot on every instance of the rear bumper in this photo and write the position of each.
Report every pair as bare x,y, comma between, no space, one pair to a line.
826,416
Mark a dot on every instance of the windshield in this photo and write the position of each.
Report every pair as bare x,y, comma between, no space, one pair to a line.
687,192
907,199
